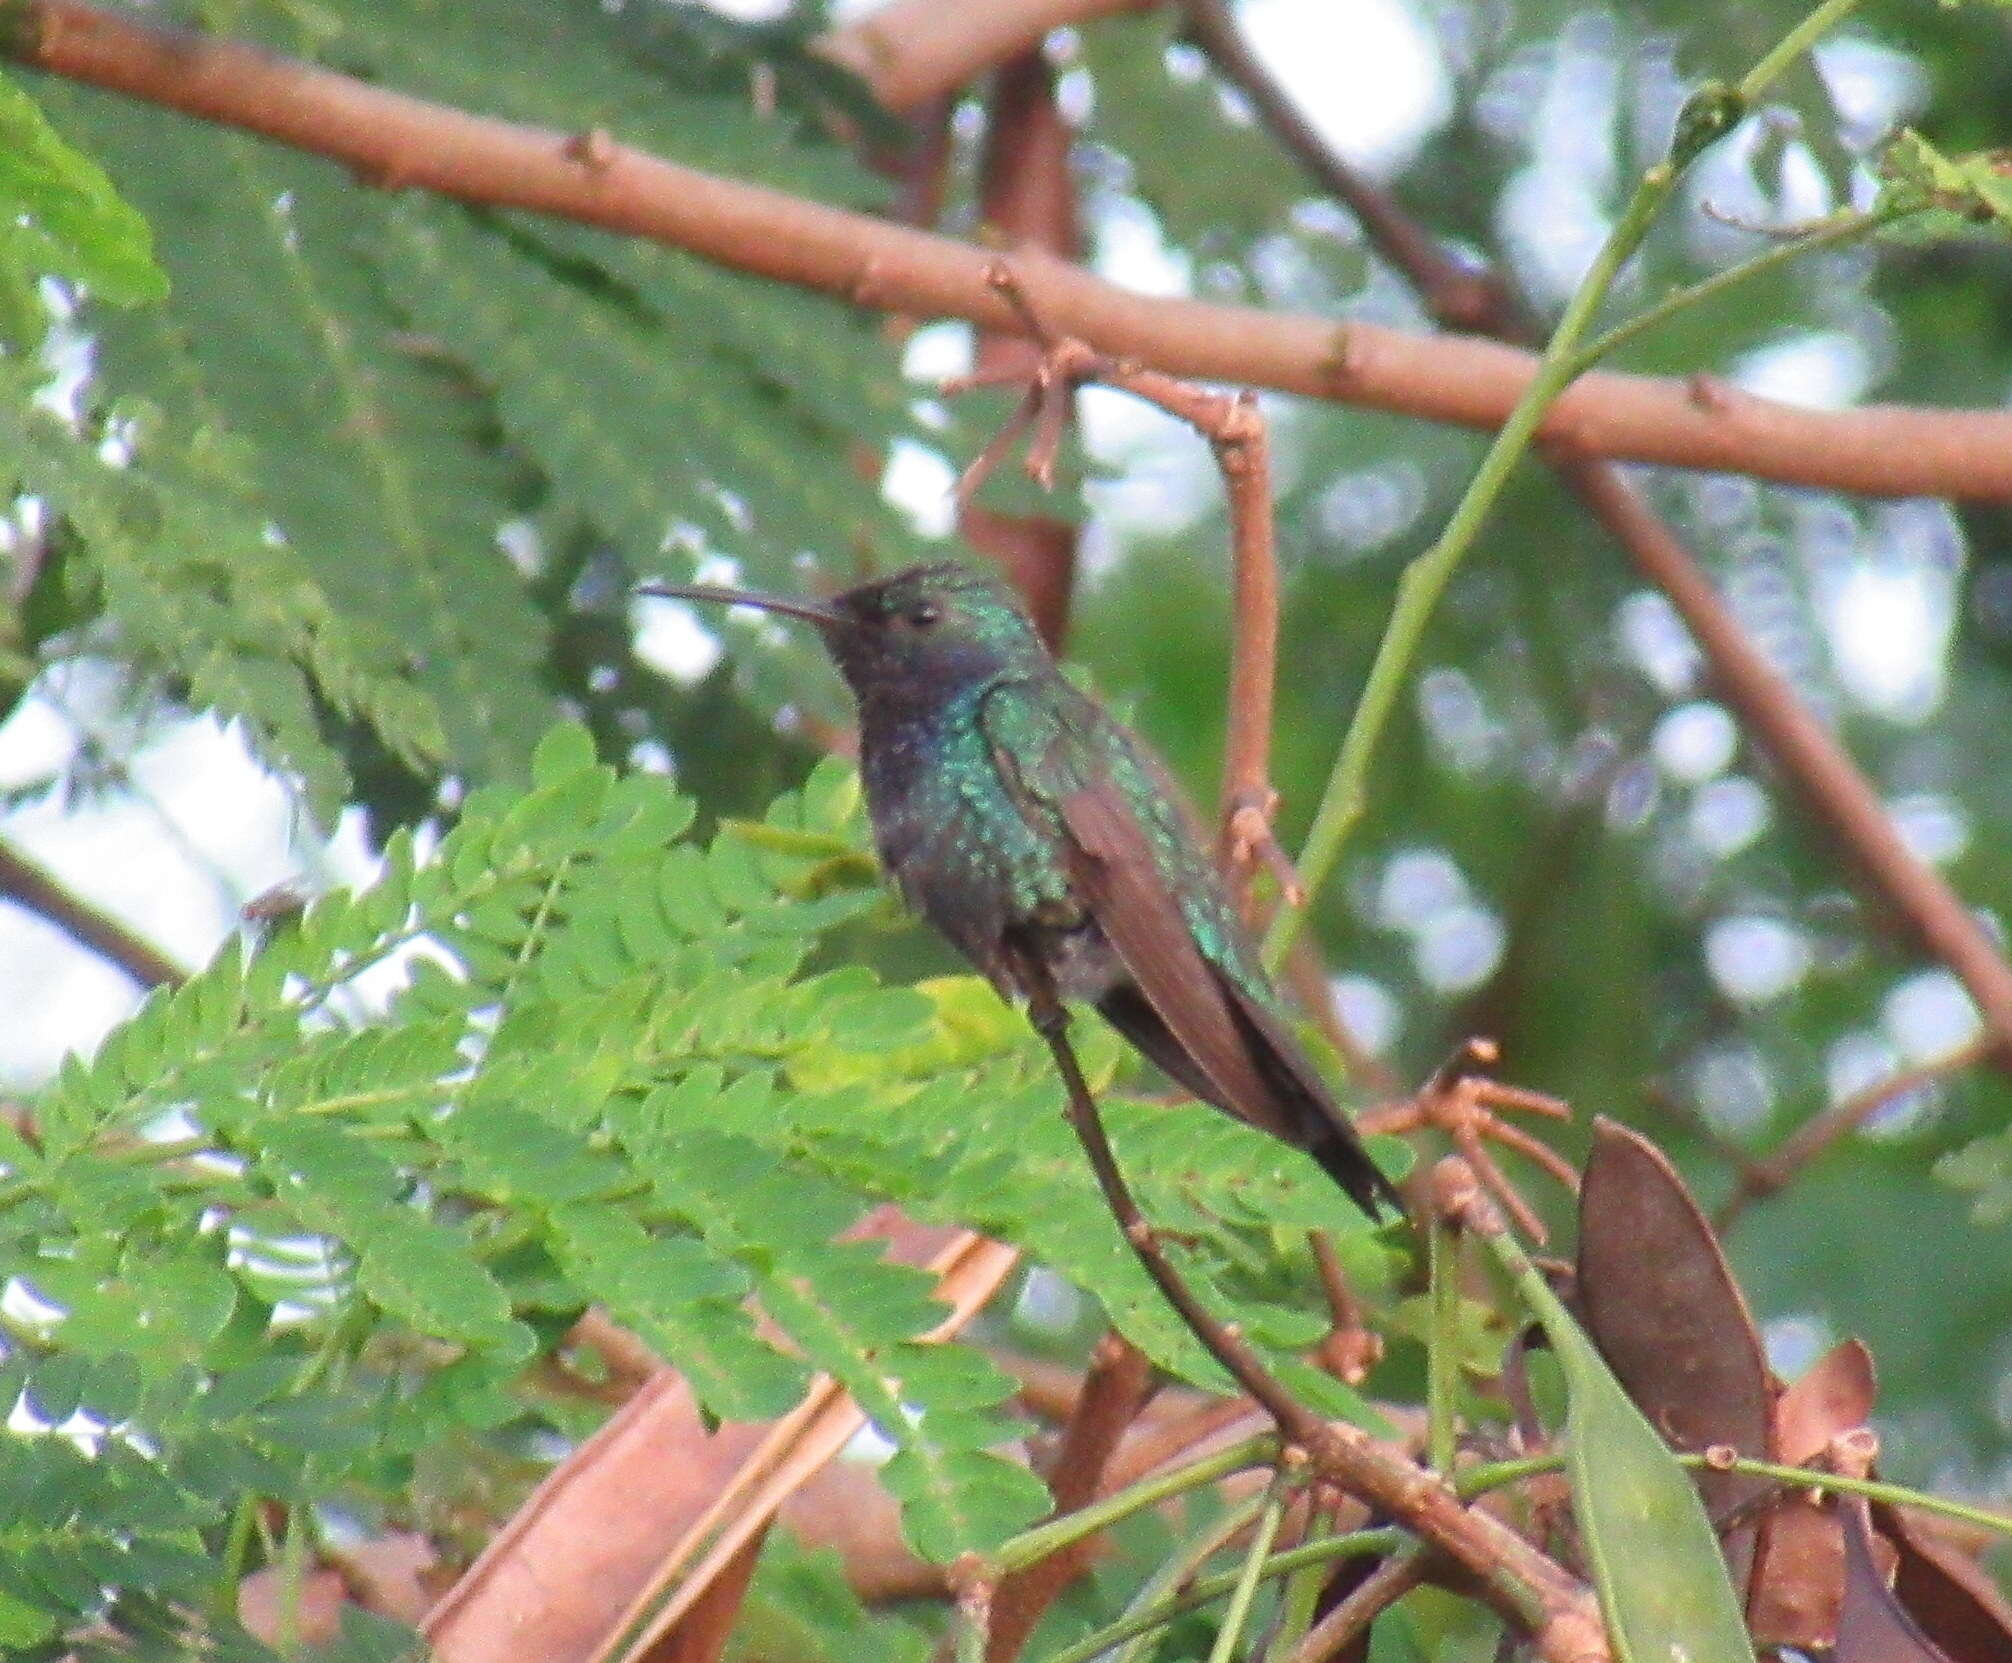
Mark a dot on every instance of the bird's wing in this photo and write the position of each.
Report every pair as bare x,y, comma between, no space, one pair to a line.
1046,754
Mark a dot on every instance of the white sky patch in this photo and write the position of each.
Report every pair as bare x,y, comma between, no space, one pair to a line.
1654,636
921,483
1885,630
1928,1015
1458,948
1695,742
1755,959
1727,815
1819,369
1935,828
937,351
672,641
1369,1011
1368,75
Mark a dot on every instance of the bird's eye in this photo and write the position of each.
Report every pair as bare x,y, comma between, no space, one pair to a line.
922,614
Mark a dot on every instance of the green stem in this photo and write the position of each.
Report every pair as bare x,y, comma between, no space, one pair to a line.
1442,1354
1178,1569
1426,578
236,1560
1210,1589
1792,45
1031,1546
292,1578
1829,232
1477,1481
1237,1614
1710,113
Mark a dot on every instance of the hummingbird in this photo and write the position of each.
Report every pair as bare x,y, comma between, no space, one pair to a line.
1048,845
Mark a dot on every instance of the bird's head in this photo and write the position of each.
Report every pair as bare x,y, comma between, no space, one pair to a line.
936,627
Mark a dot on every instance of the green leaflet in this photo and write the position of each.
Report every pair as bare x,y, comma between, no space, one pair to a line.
60,217
1960,191
175,554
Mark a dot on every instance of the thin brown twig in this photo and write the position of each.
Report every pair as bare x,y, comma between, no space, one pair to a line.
1464,1103
1026,200
394,141
1234,429
1815,764
1375,1594
1118,1383
34,888
1526,1586
1762,1178
1351,1348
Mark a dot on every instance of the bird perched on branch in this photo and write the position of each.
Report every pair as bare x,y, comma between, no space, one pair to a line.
1038,834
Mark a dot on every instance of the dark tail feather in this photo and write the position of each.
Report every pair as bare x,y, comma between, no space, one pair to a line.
1317,1125
1342,1157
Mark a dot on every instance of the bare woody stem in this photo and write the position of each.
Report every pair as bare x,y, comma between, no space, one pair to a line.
1380,1590
1773,1173
1530,1589
1114,1390
398,142
34,888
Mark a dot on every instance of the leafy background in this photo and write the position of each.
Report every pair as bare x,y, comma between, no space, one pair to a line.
371,484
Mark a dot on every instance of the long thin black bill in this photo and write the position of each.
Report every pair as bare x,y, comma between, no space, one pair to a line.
824,616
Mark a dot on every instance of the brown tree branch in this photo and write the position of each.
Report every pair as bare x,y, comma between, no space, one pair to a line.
398,142
1529,1588
34,888
1811,759
911,51
1378,1591
1114,1390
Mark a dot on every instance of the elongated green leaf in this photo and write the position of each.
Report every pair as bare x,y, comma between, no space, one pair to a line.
1662,1581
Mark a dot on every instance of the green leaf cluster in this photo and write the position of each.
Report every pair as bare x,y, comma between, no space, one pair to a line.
406,451
60,217
568,1055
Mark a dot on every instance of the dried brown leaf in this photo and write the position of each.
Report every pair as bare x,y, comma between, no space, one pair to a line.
1661,1304
1799,1582
654,1499
1873,1626
1955,1601
262,1606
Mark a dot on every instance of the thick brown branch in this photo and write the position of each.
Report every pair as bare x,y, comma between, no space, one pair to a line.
396,141
1812,761
35,889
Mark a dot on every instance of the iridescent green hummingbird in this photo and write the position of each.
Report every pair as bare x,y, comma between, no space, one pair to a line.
1043,839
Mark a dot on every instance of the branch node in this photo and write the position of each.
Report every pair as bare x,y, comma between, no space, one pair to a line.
1710,393
593,149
